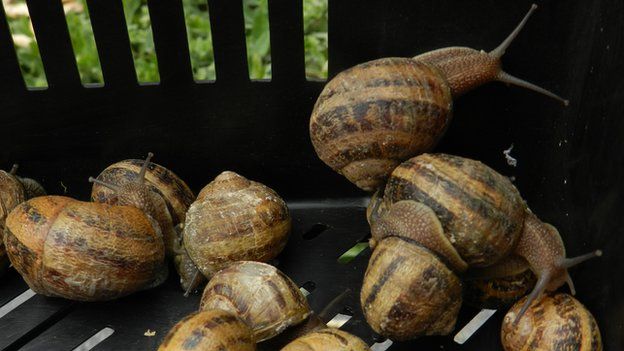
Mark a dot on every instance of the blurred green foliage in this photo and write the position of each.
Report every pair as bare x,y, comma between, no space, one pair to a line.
142,43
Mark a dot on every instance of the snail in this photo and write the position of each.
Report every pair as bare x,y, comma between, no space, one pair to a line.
211,330
169,194
553,322
82,250
262,296
329,339
234,219
440,215
373,116
13,191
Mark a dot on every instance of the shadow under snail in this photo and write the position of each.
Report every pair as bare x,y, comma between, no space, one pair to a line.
373,116
88,251
552,322
13,191
439,215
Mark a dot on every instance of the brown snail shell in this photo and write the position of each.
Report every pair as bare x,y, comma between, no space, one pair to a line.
212,330
262,296
12,193
553,322
84,251
375,115
402,276
235,219
371,117
177,195
481,211
329,339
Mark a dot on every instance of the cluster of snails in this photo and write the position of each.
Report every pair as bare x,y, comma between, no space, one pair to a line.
439,222
141,214
252,302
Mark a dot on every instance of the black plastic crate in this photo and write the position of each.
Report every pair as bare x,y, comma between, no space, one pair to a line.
570,160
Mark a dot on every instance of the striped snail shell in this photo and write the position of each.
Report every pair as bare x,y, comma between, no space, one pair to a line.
329,339
212,330
400,277
466,215
169,197
554,322
262,296
480,210
13,191
371,117
235,219
84,251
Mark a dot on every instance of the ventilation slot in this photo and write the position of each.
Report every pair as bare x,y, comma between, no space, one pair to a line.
95,339
141,40
13,304
258,38
315,231
315,38
199,33
25,43
83,42
307,288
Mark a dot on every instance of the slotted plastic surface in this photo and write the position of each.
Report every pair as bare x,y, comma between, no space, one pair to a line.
570,160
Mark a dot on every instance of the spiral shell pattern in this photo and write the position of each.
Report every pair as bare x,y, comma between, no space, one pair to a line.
373,116
329,339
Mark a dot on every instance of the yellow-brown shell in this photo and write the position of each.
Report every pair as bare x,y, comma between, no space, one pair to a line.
553,322
495,293
211,330
408,292
329,339
235,219
373,116
177,195
12,193
262,296
83,251
481,212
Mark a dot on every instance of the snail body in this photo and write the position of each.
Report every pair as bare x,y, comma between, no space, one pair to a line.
262,296
83,251
553,322
235,219
328,339
462,214
373,116
211,330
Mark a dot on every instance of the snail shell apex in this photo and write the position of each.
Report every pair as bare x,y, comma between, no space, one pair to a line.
400,277
371,117
262,296
553,322
481,211
329,339
83,251
212,330
235,219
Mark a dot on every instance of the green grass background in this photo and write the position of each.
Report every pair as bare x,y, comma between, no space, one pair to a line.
142,43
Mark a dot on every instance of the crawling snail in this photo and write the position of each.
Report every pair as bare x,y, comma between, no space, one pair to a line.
372,117
88,251
552,322
13,191
235,219
211,330
440,215
169,194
